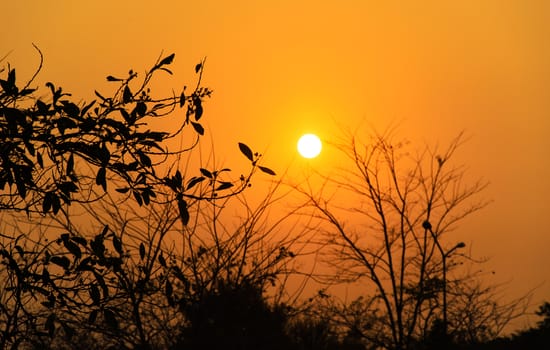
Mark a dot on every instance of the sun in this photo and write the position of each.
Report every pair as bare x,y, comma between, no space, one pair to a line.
309,146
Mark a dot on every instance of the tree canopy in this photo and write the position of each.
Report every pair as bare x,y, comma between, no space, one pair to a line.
56,151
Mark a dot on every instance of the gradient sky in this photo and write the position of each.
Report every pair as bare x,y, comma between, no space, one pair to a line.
282,68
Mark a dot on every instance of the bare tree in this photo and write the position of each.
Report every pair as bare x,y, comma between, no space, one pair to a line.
479,311
387,224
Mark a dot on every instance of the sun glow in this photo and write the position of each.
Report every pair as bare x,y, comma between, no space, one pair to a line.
309,146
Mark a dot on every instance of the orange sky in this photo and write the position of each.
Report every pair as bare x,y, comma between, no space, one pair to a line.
282,68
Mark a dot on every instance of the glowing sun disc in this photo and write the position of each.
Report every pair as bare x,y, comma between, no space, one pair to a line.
309,146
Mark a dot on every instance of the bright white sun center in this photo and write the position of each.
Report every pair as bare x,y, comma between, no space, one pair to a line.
309,146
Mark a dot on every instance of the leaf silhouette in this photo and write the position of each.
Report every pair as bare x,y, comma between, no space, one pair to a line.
246,151
111,78
162,261
206,173
94,294
267,170
46,276
101,178
70,165
198,128
73,248
11,77
117,244
47,202
182,99
169,289
138,198
142,251
127,95
39,160
224,186
184,213
198,108
141,108
167,60
194,181
62,261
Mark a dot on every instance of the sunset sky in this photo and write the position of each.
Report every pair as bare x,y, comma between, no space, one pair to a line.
283,68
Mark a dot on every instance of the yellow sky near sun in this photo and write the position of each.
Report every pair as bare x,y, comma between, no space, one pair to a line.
283,68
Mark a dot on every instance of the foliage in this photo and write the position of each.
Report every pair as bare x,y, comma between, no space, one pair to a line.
62,282
47,142
234,317
536,337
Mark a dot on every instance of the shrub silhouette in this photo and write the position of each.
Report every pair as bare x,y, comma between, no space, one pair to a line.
234,317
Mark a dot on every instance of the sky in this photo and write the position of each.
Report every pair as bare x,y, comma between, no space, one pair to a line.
283,68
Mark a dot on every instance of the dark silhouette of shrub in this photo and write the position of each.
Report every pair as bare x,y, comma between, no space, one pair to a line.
233,317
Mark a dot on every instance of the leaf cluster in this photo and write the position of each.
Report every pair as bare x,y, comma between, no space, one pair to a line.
56,151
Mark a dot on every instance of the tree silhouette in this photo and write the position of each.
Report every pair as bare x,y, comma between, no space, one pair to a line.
391,235
537,337
58,157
